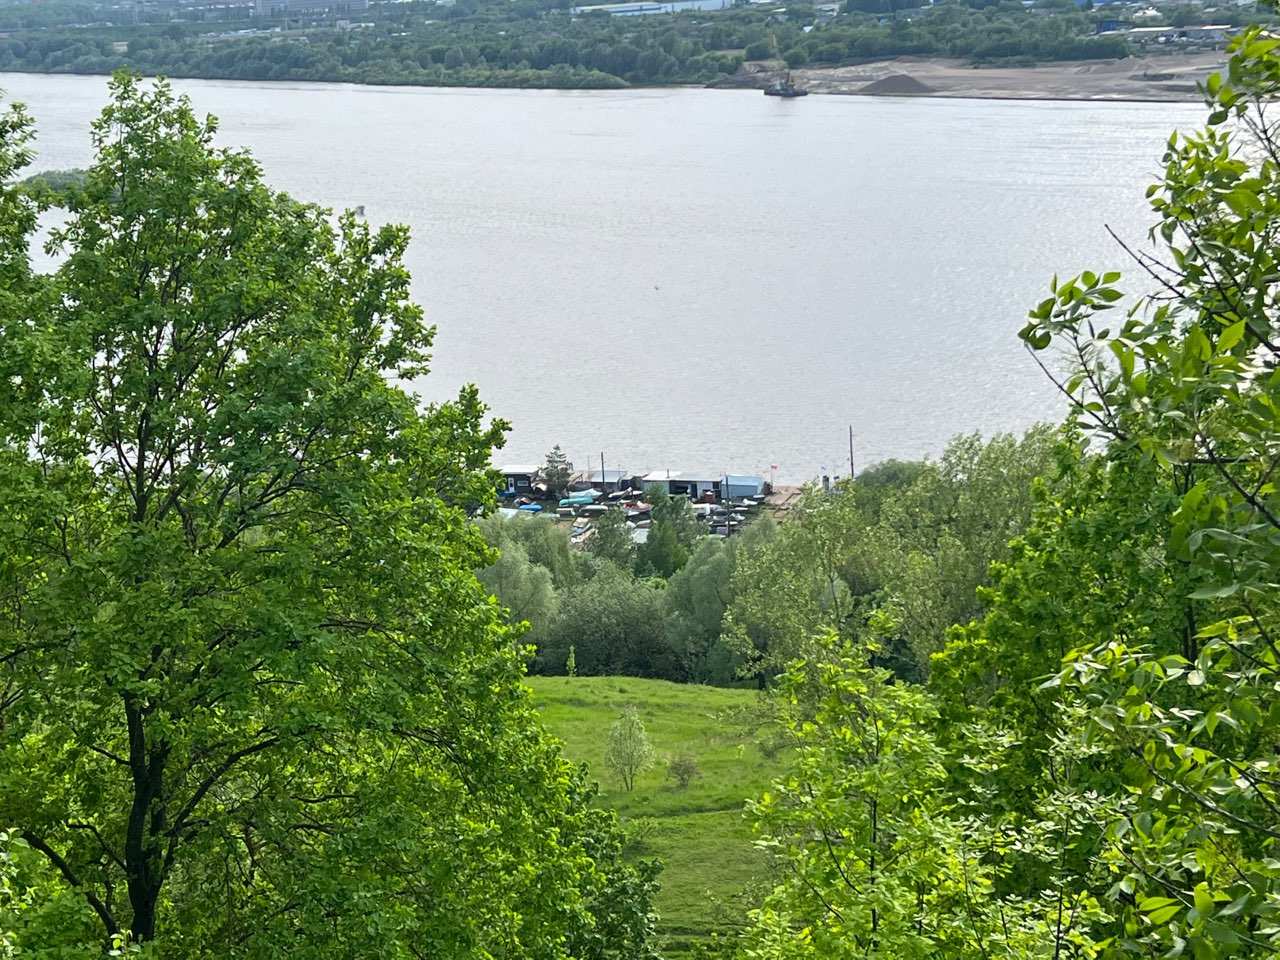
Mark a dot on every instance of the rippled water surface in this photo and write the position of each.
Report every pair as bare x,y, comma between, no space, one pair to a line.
707,280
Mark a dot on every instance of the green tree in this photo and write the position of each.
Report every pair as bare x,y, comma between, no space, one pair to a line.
697,598
611,539
524,588
932,545
856,823
886,856
628,752
672,533
787,589
1181,390
895,556
675,512
253,694
545,542
661,554
557,472
683,769
615,625
796,57
18,215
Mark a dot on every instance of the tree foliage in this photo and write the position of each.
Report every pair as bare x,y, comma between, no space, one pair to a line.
557,472
537,43
628,752
611,539
614,624
672,533
896,560
544,542
882,859
1185,382
523,587
253,701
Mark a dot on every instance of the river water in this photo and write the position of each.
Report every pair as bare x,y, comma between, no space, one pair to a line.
707,280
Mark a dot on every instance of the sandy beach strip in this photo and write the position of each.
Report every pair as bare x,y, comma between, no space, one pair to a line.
1158,77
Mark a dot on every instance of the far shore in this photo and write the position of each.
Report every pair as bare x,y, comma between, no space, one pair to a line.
1172,77
1162,77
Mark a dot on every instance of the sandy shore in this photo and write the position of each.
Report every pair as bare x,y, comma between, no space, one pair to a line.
1167,77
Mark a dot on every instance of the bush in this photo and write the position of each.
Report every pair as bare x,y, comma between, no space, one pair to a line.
796,57
638,832
771,745
683,769
760,50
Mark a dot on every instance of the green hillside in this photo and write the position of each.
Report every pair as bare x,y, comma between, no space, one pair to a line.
699,833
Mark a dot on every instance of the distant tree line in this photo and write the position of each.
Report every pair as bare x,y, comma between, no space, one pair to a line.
539,46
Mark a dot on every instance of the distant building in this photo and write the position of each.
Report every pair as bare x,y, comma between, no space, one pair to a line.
642,8
1214,34
518,480
283,8
605,480
1210,33
734,486
693,486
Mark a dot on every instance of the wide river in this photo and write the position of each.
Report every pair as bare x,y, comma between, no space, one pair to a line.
708,280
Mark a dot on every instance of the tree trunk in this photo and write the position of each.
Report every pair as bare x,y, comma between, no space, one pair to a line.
144,870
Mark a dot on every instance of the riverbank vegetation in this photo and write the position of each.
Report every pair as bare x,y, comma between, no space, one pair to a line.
261,692
541,44
903,548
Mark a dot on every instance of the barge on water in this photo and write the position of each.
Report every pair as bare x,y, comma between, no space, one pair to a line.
785,88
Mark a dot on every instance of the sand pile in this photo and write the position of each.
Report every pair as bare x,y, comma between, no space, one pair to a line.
897,85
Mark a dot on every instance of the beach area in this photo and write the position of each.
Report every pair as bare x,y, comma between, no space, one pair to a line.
1157,77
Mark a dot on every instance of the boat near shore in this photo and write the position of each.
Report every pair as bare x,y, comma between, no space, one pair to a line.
785,88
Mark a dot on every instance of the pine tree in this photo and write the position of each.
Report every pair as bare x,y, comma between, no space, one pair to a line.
558,472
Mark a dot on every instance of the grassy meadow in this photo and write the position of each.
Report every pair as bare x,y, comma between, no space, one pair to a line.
699,833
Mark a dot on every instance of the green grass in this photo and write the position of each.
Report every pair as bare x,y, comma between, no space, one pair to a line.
700,833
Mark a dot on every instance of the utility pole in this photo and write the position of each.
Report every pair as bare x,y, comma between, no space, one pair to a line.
851,451
603,481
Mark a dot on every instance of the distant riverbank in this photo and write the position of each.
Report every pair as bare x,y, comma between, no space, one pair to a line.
1164,78
1170,78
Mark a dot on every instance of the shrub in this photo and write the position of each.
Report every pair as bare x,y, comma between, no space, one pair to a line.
796,57
638,832
683,769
